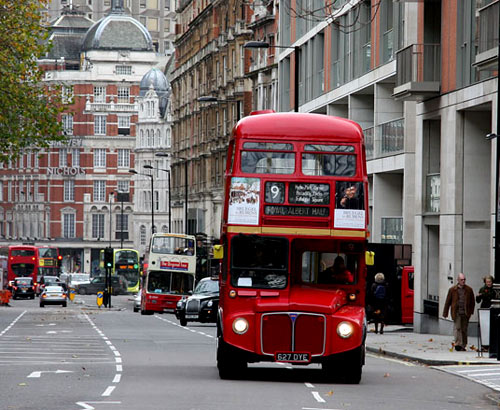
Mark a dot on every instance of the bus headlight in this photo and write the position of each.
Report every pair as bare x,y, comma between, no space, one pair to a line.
345,330
240,325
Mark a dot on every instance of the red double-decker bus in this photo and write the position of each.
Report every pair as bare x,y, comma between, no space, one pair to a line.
294,234
33,261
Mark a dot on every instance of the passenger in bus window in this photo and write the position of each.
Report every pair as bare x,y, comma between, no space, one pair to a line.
337,273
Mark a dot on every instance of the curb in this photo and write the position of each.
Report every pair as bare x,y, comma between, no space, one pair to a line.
428,362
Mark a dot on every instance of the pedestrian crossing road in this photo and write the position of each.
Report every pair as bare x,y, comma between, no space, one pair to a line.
484,374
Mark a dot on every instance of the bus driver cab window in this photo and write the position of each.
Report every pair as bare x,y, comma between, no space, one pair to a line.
326,268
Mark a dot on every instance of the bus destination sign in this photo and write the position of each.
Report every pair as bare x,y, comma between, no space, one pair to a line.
284,210
309,194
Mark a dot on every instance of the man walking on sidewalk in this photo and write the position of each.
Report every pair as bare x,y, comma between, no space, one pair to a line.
461,301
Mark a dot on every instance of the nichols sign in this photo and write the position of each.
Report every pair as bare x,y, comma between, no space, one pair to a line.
66,171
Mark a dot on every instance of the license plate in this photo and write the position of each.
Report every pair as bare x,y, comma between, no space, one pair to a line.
292,357
23,290
191,316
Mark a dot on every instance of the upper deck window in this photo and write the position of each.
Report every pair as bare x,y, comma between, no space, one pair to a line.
267,162
321,163
268,146
22,252
172,245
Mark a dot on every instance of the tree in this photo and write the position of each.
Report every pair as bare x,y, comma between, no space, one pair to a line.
28,108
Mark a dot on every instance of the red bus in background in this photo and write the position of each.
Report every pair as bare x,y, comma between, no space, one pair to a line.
33,261
294,236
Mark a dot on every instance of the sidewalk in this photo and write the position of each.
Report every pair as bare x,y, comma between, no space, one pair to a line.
429,349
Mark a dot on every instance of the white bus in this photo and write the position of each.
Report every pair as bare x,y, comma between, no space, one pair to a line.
170,274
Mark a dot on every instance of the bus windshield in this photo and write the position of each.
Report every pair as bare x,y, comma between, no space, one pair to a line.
259,262
169,282
172,245
22,269
47,253
329,268
126,257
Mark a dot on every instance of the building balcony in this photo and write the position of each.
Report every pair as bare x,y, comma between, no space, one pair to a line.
110,107
392,230
487,51
418,72
384,139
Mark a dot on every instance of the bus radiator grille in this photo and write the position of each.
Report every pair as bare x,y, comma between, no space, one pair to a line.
293,332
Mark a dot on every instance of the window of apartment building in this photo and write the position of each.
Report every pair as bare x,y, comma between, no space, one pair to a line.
29,156
69,190
97,225
21,162
99,158
123,94
152,24
68,225
99,124
167,4
1,191
142,231
75,157
36,192
67,94
123,186
99,94
123,158
166,23
9,191
123,69
121,226
123,125
28,190
63,157
67,123
37,160
157,200
152,4
21,190
143,4
99,191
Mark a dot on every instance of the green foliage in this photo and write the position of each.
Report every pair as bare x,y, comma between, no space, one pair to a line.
28,107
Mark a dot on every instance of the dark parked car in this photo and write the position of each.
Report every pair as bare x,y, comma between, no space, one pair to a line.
49,281
23,288
118,284
202,305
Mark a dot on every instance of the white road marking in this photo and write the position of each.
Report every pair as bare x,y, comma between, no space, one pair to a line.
118,359
311,386
87,404
39,373
12,323
119,368
108,391
117,378
318,398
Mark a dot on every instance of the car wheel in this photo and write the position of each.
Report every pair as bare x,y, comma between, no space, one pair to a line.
183,321
136,310
32,296
82,291
230,366
42,305
64,304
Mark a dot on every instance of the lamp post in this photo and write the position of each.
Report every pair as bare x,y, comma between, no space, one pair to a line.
264,44
169,201
210,98
133,171
166,154
110,196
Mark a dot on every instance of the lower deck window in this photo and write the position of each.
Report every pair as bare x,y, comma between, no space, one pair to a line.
329,268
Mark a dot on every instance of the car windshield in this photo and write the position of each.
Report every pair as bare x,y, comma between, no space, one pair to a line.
47,252
53,289
207,286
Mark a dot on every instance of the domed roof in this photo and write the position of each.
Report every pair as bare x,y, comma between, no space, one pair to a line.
118,31
155,79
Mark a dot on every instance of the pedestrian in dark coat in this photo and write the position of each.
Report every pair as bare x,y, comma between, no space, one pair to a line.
460,301
485,293
379,298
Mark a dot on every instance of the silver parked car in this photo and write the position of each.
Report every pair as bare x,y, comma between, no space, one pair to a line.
53,295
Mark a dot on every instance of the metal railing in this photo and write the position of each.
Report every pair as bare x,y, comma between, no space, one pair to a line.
418,63
384,139
392,230
488,27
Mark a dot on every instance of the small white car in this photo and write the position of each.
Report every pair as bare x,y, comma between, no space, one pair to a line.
53,295
137,302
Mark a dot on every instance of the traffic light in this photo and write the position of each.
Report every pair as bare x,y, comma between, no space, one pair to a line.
59,261
108,257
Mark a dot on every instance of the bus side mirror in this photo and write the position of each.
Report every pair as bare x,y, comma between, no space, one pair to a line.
218,251
370,258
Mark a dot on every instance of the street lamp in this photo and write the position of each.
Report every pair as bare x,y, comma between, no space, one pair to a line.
211,98
110,196
169,202
264,44
165,154
133,171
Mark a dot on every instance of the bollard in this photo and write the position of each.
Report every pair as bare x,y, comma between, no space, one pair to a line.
494,331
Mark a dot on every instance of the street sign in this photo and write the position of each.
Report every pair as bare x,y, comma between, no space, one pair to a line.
100,298
71,294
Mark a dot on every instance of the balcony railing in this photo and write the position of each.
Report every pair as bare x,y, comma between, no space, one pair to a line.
384,139
418,71
433,193
487,50
392,230
111,107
